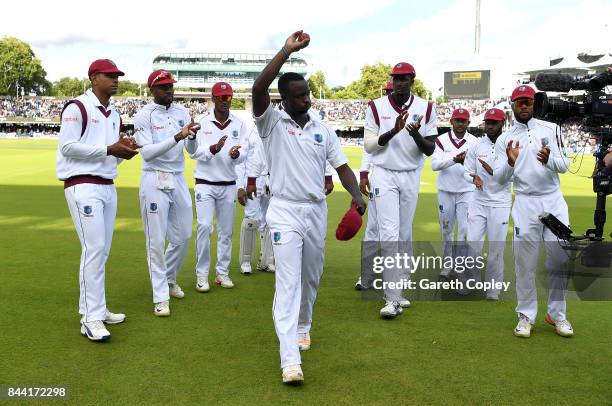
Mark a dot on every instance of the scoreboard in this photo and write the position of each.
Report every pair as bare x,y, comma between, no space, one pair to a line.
467,84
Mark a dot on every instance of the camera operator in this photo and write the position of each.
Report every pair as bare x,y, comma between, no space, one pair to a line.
529,155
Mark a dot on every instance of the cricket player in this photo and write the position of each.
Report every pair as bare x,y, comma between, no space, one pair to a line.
489,209
216,150
454,191
255,207
297,145
90,147
165,203
530,155
398,154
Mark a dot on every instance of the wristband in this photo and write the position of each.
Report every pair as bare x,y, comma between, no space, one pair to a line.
363,175
328,180
251,181
285,51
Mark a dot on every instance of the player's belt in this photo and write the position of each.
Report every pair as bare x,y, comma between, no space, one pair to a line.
210,182
78,179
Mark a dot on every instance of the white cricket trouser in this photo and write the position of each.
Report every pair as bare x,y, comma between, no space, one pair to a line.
298,237
453,209
492,221
528,232
371,232
396,194
93,209
220,201
166,214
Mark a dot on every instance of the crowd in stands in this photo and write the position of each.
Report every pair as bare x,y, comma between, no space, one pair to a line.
475,107
335,110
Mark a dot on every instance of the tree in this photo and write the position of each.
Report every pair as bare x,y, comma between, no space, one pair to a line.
69,87
127,88
20,67
316,81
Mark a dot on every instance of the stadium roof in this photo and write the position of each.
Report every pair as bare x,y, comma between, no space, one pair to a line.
580,64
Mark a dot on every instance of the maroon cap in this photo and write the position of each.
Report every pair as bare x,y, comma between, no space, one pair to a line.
523,92
461,113
403,68
222,89
389,86
495,115
160,77
103,66
349,225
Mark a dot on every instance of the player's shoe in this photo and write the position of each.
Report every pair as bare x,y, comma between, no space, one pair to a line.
271,268
304,341
563,327
176,291
113,318
293,375
524,327
265,268
224,281
162,309
358,285
245,268
95,330
445,272
390,310
404,303
202,284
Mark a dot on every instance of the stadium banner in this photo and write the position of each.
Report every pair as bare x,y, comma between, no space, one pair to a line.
467,84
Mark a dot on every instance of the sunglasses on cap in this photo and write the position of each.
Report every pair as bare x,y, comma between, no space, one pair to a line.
523,102
162,75
225,98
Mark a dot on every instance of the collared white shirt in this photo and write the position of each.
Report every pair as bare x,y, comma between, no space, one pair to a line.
450,176
86,154
155,127
492,194
296,156
218,167
401,153
530,176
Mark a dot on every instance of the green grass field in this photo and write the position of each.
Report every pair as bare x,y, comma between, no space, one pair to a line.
221,347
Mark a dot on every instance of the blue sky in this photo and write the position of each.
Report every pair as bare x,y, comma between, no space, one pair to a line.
433,35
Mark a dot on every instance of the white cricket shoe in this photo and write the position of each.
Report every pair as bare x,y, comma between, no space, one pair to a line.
224,281
176,291
445,272
245,268
390,310
162,309
358,285
293,374
524,327
562,327
265,268
95,330
113,318
304,341
404,303
202,284
271,268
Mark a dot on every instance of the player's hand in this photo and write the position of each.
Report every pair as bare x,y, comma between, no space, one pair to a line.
400,122
486,166
544,154
219,145
129,141
251,191
459,158
189,129
512,152
478,182
414,127
242,196
121,150
359,204
235,151
296,41
329,187
364,186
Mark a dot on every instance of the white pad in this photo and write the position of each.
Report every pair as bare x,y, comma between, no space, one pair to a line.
267,254
248,232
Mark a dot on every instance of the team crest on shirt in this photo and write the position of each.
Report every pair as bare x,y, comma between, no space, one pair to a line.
376,191
198,197
276,236
153,207
318,137
88,210
235,133
181,123
415,117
